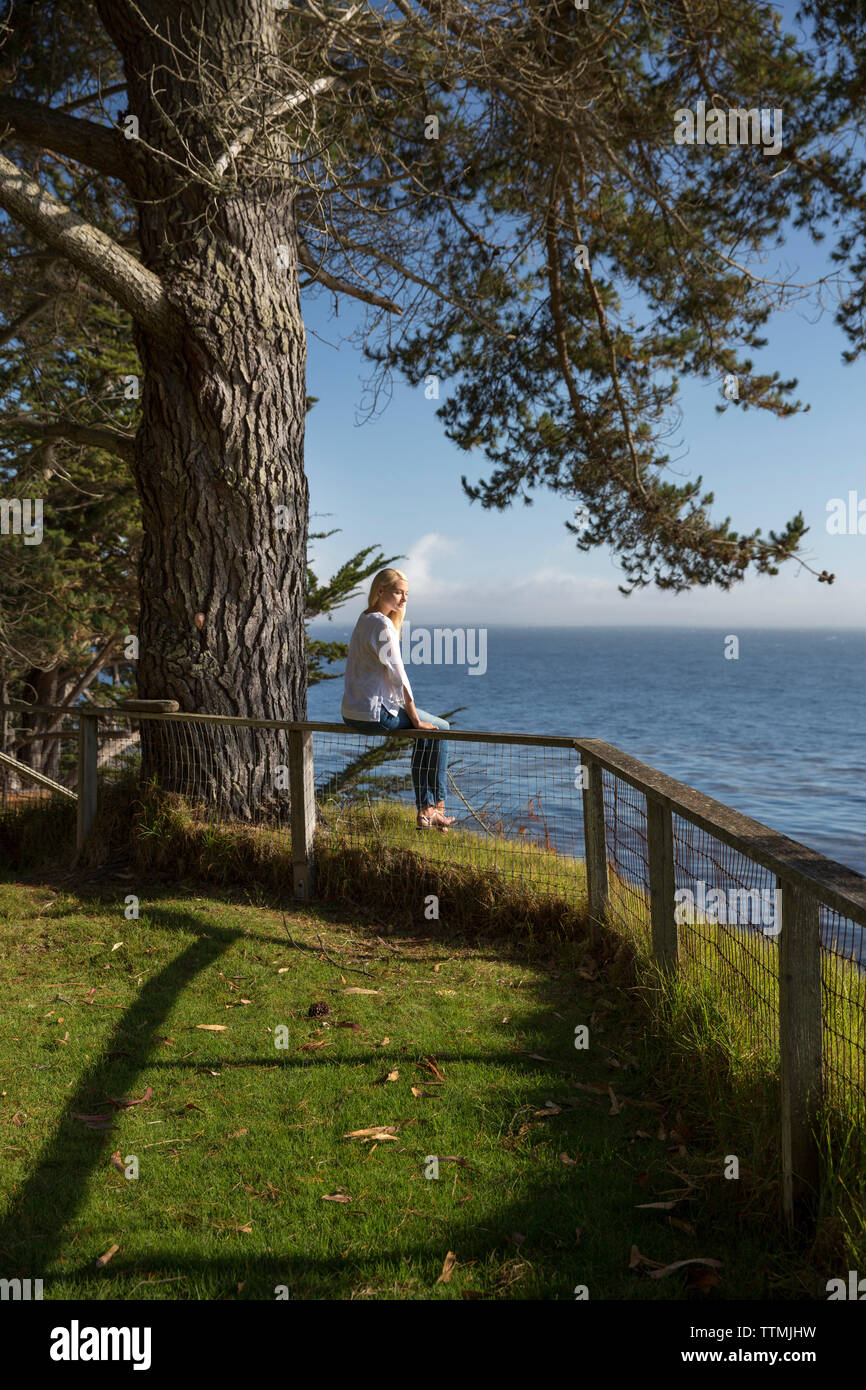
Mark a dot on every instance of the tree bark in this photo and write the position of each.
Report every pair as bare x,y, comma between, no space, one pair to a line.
220,448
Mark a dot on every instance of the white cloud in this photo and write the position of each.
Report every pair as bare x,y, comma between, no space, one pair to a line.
419,564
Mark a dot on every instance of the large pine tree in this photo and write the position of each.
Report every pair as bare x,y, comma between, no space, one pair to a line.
492,181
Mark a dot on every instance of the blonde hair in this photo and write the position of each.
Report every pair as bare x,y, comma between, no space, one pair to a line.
383,580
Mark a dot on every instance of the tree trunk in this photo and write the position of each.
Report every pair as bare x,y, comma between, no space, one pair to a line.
220,450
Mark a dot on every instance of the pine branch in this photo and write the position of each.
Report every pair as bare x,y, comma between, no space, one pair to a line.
27,315
282,108
331,282
113,441
98,256
99,146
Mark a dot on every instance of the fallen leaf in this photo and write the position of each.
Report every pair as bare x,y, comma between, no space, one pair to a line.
447,1268
578,1232
537,1057
283,968
445,991
237,1134
384,1042
117,1162
655,1206
681,1264
436,969
564,1158
393,1075
374,1132
642,1134
417,1091
247,1230
431,1064
95,1121
109,1254
121,1101
638,1259
212,1027
311,1046
615,1106
703,1279
642,1179
661,1134
356,1026
335,1197
353,989
116,944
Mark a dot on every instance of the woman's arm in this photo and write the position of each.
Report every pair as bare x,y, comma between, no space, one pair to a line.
409,706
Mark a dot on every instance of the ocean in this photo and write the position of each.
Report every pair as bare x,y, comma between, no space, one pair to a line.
776,731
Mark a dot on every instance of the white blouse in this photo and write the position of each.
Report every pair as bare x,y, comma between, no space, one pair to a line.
375,674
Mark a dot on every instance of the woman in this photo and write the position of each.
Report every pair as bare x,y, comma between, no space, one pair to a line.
378,698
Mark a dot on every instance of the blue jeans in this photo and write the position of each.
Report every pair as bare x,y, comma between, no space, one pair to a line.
429,756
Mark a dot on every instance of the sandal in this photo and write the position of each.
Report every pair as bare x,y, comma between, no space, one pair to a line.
431,818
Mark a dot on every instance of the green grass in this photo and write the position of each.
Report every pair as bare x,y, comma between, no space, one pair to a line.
238,1134
255,1135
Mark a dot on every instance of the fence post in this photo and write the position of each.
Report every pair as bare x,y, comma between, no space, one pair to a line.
800,1048
302,791
88,752
660,844
594,840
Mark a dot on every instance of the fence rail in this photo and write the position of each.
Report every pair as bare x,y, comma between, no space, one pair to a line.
644,852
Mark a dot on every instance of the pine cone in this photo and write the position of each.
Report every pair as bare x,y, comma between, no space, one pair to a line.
319,1009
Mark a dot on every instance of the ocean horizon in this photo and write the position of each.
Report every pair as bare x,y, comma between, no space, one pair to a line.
772,725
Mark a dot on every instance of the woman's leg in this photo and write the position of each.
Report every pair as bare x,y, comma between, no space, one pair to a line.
364,726
386,724
435,762
401,720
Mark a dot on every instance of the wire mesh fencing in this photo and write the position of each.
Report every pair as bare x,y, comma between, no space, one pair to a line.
625,827
515,809
729,917
38,758
843,1008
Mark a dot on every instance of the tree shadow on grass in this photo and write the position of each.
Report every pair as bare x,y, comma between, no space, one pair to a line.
50,1197
543,1220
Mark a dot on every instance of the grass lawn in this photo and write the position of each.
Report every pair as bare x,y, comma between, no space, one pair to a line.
549,1155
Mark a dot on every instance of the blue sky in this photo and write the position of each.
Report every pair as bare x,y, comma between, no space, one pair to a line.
395,481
